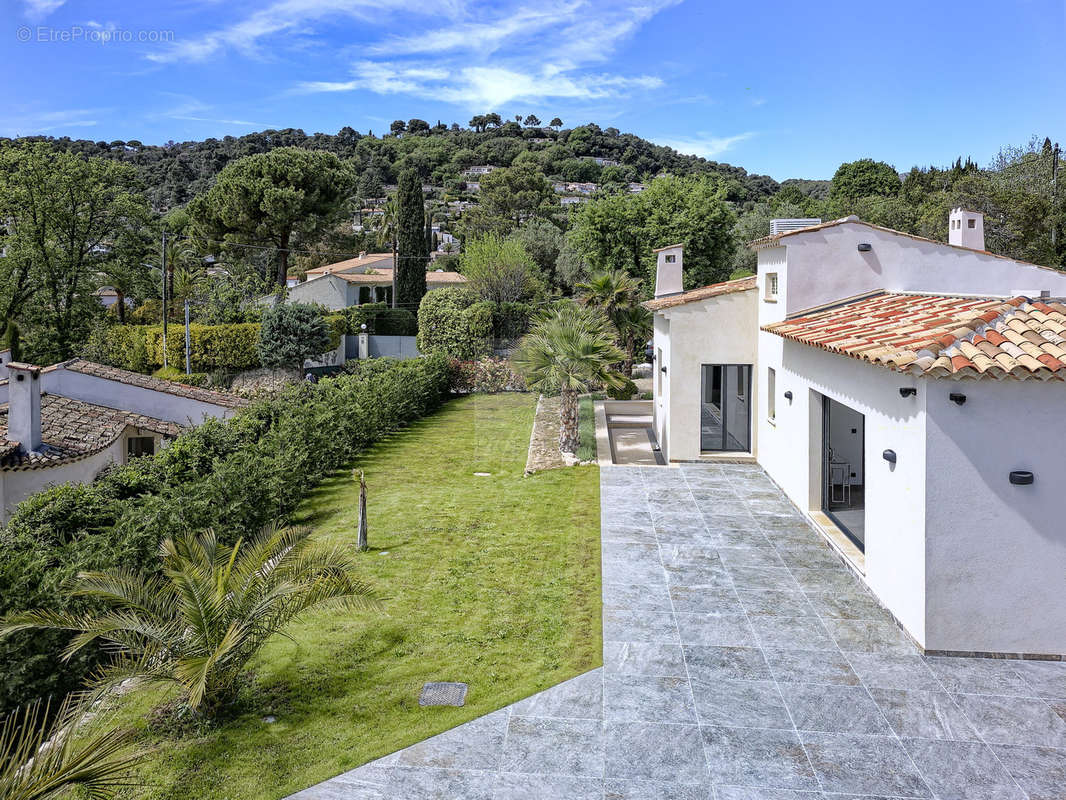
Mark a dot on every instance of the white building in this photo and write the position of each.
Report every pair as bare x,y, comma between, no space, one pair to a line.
67,422
907,395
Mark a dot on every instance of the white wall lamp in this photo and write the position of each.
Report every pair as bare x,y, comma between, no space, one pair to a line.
958,398
908,391
1021,477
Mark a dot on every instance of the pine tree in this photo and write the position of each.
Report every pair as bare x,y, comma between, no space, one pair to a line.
412,252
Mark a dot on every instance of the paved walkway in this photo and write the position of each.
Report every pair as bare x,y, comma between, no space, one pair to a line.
742,661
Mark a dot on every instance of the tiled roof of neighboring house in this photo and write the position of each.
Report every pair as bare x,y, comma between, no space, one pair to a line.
703,293
71,430
148,382
774,238
384,276
361,262
941,336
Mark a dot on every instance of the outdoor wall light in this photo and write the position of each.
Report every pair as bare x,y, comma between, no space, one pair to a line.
865,247
662,369
958,398
908,391
1021,477
788,396
889,456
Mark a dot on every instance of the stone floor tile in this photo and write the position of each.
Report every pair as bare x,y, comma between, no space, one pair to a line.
623,625
1013,720
643,658
655,790
763,758
1047,678
621,571
634,533
554,746
893,671
750,557
720,599
731,630
651,751
808,556
428,783
699,575
1040,771
709,663
512,786
811,666
647,698
748,537
869,636
979,676
800,633
863,765
638,597
834,709
580,697
763,578
775,602
962,770
837,606
825,580
742,704
923,714
475,745
686,556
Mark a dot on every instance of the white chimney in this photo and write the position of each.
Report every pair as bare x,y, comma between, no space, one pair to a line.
24,405
668,275
966,229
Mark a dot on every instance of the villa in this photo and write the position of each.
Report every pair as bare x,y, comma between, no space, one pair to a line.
907,396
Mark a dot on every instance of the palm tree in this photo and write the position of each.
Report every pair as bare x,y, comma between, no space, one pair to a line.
569,349
386,226
198,623
42,759
187,281
617,295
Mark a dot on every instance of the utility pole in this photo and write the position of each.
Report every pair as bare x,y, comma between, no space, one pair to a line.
188,340
163,261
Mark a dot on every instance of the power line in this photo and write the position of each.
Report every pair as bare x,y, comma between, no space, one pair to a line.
276,249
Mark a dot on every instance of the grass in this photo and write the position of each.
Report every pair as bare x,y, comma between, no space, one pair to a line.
586,429
491,580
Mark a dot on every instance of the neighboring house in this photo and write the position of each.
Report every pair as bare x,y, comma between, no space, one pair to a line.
605,162
907,395
572,201
67,422
483,169
363,263
109,297
576,187
636,188
473,186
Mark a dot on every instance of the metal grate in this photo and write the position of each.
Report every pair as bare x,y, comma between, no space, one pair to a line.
442,694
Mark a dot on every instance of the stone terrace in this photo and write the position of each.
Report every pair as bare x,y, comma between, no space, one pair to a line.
742,661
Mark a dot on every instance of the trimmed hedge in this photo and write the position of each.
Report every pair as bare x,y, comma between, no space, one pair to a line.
380,319
452,322
234,476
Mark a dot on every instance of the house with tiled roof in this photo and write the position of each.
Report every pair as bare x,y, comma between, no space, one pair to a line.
67,422
909,396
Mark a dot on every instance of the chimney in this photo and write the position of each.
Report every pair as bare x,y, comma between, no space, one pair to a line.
668,276
24,405
966,229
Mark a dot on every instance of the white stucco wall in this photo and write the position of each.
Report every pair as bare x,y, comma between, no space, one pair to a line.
718,330
996,552
660,385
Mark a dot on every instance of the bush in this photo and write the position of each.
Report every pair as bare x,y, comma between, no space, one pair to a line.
140,347
511,320
451,322
380,319
486,376
291,333
176,375
234,476
627,391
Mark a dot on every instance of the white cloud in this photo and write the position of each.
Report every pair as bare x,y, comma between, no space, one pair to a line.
705,145
29,123
37,10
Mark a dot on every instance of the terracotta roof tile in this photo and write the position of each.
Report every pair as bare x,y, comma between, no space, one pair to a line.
940,335
703,293
71,430
148,382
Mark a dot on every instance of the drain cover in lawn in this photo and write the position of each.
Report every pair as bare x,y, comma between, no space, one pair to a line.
442,694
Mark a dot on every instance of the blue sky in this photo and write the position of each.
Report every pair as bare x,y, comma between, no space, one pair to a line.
787,89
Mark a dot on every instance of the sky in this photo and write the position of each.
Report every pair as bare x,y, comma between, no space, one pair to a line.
780,88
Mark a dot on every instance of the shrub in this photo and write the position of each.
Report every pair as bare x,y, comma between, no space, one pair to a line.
176,375
627,390
511,320
232,475
486,376
453,323
380,319
291,333
140,347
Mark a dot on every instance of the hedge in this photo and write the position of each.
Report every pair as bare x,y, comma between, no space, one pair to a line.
234,476
380,319
452,322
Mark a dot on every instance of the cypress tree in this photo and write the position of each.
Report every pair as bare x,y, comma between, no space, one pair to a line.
412,252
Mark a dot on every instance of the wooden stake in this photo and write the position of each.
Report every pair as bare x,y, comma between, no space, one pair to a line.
363,546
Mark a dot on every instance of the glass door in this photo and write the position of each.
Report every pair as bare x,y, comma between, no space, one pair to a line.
844,469
725,408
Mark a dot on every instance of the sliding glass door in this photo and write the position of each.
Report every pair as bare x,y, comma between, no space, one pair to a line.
725,408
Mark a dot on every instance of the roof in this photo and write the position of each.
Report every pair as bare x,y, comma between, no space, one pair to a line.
148,382
72,430
668,247
367,260
703,293
384,276
774,238
941,336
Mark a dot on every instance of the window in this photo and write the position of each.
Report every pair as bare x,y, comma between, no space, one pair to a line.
658,367
771,286
971,223
771,394
670,259
140,446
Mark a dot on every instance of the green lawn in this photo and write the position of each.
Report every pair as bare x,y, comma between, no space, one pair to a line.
492,580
